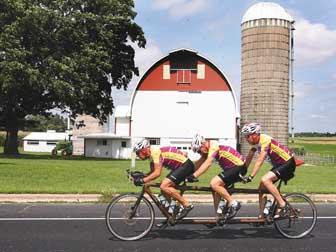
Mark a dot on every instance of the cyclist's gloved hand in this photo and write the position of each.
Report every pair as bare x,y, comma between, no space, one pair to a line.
191,179
246,179
138,181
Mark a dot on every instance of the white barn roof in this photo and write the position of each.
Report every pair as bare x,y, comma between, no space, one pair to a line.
266,10
47,136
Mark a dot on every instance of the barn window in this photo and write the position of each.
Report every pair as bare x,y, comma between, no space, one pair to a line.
154,141
183,76
166,72
33,142
101,142
200,71
123,144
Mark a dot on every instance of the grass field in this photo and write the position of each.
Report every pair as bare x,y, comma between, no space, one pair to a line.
32,173
321,145
42,173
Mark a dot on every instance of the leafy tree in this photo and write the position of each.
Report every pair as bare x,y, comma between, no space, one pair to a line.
44,123
64,54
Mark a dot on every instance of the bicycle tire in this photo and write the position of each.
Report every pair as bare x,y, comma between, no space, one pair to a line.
302,216
119,223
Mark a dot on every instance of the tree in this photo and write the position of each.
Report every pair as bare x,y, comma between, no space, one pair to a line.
63,54
44,123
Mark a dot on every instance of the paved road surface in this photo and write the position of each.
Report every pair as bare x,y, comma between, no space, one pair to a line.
81,227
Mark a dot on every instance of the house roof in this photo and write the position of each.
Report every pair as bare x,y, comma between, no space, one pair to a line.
47,136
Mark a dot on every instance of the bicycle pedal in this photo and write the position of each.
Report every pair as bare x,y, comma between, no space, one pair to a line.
162,225
172,221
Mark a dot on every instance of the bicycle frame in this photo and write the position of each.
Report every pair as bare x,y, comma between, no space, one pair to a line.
182,188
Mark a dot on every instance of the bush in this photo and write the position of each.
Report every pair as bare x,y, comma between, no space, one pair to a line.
300,151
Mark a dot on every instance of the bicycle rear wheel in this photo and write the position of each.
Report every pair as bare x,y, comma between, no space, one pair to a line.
301,218
127,219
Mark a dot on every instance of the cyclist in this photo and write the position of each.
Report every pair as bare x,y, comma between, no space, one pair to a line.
282,160
170,157
230,160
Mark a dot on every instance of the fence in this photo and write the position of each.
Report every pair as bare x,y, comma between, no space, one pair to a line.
317,159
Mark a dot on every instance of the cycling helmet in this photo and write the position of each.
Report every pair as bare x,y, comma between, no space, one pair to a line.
251,128
196,142
141,144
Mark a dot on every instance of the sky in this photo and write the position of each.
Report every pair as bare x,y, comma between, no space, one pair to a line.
212,28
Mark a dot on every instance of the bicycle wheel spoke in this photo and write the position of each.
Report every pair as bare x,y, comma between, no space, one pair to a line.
128,220
300,219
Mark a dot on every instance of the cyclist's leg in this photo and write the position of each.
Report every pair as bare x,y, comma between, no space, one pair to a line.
216,198
261,200
176,177
218,185
285,172
168,188
268,182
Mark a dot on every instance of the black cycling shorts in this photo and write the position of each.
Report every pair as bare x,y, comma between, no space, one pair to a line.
285,171
181,173
230,176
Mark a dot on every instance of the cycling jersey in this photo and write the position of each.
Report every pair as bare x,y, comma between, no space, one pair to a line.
226,156
277,153
169,157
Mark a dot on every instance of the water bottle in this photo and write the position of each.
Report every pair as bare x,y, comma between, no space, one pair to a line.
164,202
221,206
172,206
267,208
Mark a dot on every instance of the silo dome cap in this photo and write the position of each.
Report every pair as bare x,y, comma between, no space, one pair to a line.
266,10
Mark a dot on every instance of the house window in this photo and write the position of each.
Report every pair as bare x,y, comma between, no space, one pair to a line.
33,142
51,143
123,144
101,142
154,141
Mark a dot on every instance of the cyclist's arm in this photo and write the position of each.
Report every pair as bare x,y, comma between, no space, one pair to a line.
155,173
249,157
259,162
200,161
204,167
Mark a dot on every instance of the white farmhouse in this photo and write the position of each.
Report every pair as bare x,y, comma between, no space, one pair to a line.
43,141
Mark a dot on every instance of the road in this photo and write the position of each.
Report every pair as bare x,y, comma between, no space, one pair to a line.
81,227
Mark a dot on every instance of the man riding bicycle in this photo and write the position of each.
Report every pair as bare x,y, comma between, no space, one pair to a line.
231,161
173,159
282,160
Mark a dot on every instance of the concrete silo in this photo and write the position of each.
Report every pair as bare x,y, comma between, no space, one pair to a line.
266,32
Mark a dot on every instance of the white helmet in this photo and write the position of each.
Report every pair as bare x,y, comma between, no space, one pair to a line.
141,144
251,128
196,142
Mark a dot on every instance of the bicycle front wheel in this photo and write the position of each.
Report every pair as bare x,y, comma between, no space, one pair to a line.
301,218
129,219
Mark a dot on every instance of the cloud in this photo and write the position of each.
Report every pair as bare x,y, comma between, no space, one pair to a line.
314,43
180,8
315,116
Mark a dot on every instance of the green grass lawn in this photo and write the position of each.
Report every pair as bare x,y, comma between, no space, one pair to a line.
319,145
43,173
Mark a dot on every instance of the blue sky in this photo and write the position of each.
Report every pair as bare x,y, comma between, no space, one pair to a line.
212,28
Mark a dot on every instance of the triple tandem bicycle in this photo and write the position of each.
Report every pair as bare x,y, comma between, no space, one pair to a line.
131,216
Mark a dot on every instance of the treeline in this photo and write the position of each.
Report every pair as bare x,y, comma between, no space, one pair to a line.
315,134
